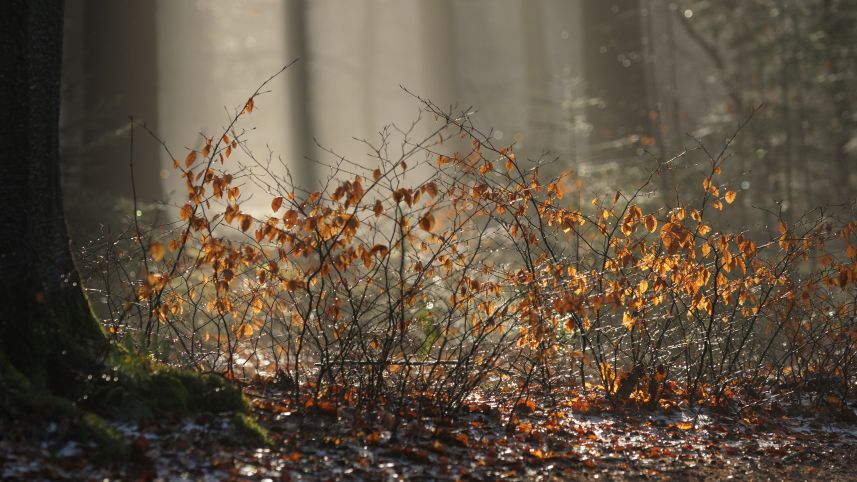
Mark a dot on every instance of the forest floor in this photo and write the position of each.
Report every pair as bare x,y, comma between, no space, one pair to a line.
574,440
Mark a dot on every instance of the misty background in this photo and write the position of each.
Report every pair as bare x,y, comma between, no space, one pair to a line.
602,88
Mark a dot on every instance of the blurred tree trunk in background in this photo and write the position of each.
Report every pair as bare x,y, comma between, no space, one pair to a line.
437,31
839,60
369,67
299,115
615,75
115,59
663,99
439,49
657,69
537,76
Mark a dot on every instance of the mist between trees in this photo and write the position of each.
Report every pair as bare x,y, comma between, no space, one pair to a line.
600,87
651,198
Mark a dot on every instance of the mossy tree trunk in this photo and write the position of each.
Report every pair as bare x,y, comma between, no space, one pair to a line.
47,328
54,356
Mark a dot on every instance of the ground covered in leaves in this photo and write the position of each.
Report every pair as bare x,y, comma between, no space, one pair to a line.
578,438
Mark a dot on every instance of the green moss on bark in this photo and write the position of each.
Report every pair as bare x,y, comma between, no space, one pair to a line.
250,431
61,366
131,388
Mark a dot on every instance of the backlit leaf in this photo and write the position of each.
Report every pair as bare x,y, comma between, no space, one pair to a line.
628,321
257,305
157,251
427,222
651,223
685,425
246,330
189,160
277,203
431,189
245,222
186,211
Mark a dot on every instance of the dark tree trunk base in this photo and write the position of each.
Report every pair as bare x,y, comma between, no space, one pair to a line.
58,365
55,361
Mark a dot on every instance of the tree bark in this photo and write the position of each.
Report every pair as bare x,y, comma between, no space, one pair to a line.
53,354
47,321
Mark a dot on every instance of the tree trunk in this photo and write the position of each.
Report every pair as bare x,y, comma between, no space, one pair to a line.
53,355
48,326
614,70
438,47
120,80
537,76
300,120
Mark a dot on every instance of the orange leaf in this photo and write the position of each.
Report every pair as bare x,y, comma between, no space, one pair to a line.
245,222
628,321
431,189
380,250
257,305
189,160
249,106
290,219
157,251
233,193
730,197
651,223
277,203
186,211
376,174
427,222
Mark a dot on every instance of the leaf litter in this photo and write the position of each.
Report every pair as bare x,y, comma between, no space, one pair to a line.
537,440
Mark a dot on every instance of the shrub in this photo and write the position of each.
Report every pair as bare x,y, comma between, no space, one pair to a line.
428,273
